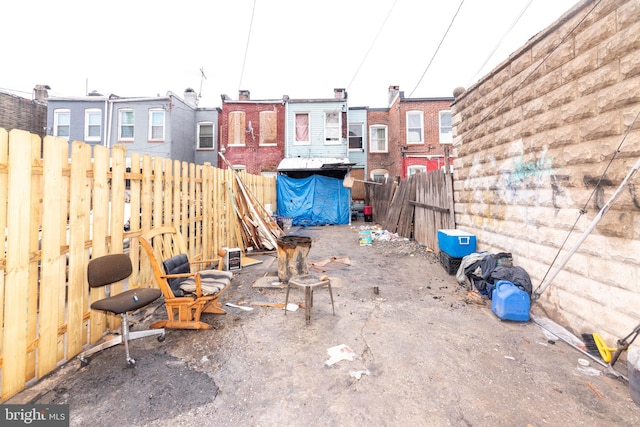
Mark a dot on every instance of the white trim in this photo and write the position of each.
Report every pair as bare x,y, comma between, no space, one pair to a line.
95,112
411,113
152,113
132,125
445,138
213,136
386,139
56,122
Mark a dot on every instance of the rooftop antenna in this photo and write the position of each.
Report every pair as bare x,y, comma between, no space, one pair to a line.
202,77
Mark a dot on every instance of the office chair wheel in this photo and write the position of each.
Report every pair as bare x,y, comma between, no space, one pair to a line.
161,338
84,361
131,362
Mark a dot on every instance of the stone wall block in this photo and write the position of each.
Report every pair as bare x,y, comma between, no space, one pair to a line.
580,65
594,34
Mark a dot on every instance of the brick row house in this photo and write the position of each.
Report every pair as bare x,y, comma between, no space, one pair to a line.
409,136
293,138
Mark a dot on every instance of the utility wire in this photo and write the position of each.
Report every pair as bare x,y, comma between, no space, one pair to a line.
583,211
372,44
246,49
506,98
513,24
526,79
438,48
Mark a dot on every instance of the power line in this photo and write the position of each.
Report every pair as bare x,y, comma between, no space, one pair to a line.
246,50
513,24
437,49
372,43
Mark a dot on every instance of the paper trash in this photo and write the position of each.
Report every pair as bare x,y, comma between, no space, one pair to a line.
338,353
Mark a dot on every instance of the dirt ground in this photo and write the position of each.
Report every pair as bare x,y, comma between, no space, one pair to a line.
425,353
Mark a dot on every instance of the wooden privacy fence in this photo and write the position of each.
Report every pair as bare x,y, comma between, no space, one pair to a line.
416,208
63,203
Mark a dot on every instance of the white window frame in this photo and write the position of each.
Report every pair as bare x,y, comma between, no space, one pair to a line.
57,115
414,169
213,136
361,136
88,125
296,141
153,113
412,130
373,140
445,132
121,125
332,130
240,168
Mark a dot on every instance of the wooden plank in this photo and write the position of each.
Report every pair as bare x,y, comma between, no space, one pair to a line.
100,227
16,317
4,183
79,208
51,284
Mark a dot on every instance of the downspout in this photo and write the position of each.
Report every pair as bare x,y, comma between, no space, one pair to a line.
110,123
106,123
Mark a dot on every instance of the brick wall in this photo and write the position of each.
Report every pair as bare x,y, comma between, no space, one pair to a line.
21,113
378,160
255,157
532,140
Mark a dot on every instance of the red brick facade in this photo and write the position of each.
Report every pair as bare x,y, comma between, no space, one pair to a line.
254,156
430,153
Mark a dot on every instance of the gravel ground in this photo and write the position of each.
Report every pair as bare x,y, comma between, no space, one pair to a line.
422,351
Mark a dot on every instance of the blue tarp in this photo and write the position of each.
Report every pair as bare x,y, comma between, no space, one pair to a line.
315,200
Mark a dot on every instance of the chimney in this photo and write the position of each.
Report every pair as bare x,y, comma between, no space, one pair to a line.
393,93
40,93
243,95
340,94
191,98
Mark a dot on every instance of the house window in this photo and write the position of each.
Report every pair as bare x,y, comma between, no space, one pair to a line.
156,124
92,124
237,120
379,143
205,136
355,136
126,121
240,168
302,129
268,127
446,127
415,131
61,123
332,127
412,170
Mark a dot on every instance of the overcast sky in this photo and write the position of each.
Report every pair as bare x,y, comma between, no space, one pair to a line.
301,48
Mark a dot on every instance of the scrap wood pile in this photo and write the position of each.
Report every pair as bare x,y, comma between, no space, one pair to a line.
255,228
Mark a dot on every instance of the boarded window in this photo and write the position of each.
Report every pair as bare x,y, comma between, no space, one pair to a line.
268,127
236,128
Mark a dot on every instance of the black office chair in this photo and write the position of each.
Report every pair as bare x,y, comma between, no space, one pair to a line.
104,271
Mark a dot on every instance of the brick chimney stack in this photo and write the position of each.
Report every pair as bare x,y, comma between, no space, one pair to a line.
340,94
244,95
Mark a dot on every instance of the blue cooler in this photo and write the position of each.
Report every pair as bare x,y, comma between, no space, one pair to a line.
509,302
456,243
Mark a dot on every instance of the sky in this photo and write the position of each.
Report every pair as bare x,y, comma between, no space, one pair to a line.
299,48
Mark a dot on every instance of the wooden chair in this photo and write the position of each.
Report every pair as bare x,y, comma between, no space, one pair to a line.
187,293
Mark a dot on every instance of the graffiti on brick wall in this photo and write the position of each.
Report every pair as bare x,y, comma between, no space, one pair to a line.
517,182
529,172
